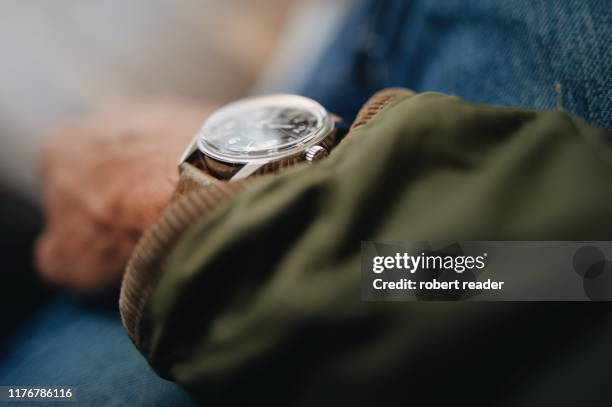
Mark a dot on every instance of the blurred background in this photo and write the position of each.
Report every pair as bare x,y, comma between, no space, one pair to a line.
63,58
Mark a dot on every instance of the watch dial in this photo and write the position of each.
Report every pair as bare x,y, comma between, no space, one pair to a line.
262,128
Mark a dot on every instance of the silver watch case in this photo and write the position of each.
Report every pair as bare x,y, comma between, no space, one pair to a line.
252,160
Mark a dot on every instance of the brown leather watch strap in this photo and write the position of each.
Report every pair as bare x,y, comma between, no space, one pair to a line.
191,178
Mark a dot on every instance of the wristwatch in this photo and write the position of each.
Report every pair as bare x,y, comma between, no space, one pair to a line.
263,134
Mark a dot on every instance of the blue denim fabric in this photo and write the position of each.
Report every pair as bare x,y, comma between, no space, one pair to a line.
70,344
532,53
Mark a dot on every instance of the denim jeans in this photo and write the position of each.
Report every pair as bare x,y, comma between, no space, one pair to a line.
545,54
539,54
71,343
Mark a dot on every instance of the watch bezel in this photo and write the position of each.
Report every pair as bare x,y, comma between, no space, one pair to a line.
324,119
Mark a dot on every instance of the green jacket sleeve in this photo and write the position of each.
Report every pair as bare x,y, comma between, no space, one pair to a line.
261,300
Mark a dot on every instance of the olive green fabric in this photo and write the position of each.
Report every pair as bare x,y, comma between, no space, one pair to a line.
260,302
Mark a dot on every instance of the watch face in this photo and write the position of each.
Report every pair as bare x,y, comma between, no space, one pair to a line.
264,127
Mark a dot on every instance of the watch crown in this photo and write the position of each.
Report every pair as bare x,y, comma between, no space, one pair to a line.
315,153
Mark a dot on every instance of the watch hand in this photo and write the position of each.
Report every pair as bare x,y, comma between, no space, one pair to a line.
279,126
